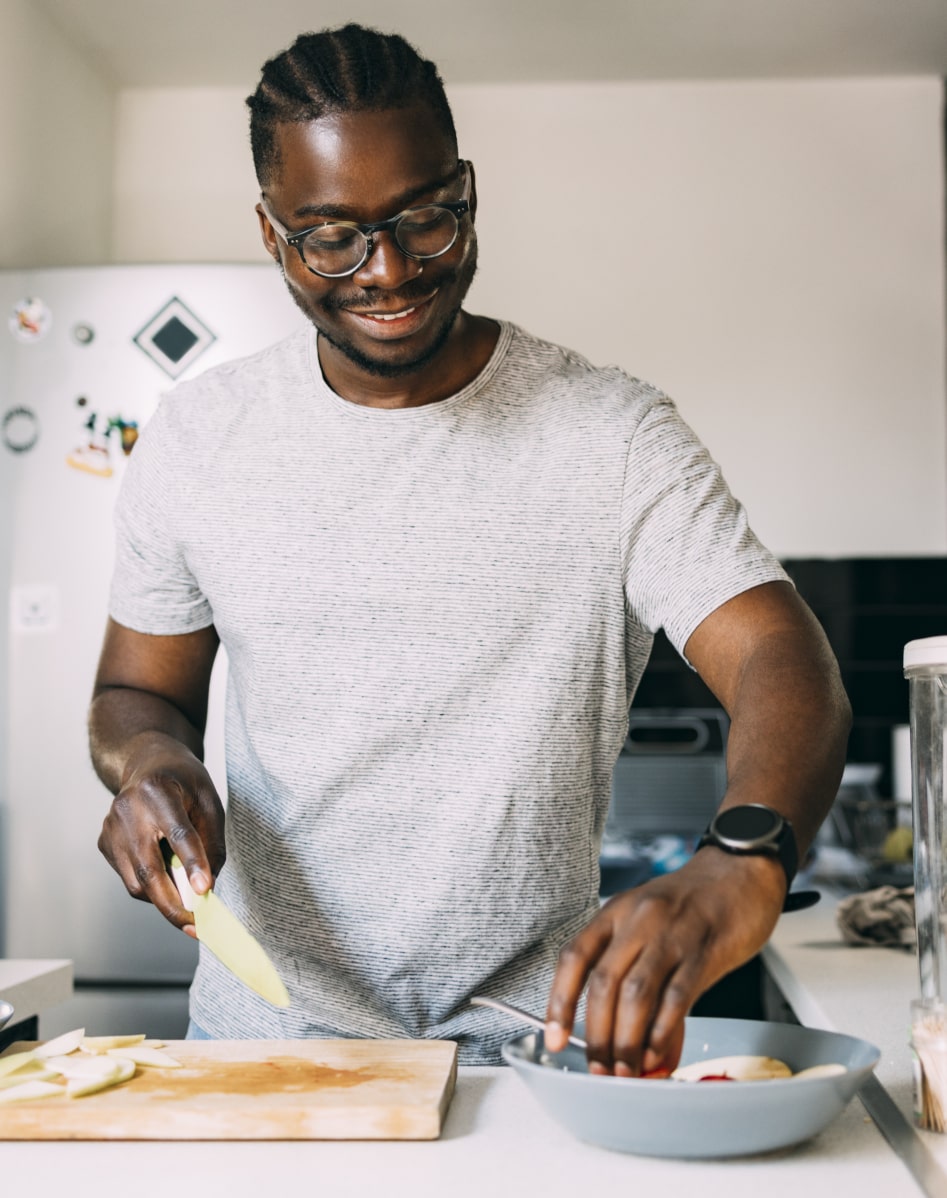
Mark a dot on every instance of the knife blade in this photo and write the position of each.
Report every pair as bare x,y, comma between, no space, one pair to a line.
229,940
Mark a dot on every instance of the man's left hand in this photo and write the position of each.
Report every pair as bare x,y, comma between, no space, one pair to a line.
651,952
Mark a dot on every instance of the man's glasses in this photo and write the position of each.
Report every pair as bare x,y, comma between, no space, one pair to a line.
340,247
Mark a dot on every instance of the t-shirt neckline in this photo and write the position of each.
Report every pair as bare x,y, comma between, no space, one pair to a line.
326,395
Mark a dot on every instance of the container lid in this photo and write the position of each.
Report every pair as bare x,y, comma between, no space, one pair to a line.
931,651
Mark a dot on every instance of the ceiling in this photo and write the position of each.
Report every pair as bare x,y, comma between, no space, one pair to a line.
176,43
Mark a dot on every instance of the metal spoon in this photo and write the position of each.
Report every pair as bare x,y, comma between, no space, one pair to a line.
6,1012
479,1000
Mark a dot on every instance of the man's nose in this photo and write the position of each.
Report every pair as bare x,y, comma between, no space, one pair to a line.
387,265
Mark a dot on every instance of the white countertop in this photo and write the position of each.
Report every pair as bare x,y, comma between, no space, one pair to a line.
34,986
859,990
497,1141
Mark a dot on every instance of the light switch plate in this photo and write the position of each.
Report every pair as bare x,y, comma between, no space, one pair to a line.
34,608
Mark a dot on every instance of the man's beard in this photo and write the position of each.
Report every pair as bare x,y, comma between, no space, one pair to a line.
392,370
464,274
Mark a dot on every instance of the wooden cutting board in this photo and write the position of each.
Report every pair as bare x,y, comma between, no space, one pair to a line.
259,1090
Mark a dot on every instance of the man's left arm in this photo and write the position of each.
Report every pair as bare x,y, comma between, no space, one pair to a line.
652,951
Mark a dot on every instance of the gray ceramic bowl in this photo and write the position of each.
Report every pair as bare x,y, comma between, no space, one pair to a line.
657,1117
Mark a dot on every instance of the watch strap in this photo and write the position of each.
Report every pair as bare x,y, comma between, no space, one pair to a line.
784,849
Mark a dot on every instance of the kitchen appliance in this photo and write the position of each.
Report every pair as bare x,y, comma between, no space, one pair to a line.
260,1090
670,775
925,667
667,784
85,354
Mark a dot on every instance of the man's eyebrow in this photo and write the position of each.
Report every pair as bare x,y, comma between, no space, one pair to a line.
341,212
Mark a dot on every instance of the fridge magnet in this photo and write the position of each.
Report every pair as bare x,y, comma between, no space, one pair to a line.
174,338
83,334
92,453
30,320
126,431
19,429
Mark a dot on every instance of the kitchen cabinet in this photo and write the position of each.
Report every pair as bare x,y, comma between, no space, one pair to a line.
31,987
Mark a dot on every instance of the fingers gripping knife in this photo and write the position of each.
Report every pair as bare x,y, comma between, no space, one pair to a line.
229,940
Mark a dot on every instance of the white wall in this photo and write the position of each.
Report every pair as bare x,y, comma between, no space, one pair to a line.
56,143
771,253
184,186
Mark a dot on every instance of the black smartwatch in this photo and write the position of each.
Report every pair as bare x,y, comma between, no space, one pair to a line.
755,830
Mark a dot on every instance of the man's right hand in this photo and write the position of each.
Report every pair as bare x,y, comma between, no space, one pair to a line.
146,729
166,795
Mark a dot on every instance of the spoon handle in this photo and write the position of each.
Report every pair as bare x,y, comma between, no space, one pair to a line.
480,1000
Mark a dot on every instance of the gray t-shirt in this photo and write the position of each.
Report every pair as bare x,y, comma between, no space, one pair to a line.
435,620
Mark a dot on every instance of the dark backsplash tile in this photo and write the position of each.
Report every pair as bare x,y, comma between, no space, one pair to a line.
870,608
860,582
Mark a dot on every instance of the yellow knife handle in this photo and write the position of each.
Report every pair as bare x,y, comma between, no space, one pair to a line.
179,875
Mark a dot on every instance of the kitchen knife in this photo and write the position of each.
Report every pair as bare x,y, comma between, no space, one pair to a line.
229,940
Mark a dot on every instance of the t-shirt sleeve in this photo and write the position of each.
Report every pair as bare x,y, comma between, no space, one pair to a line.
153,589
687,544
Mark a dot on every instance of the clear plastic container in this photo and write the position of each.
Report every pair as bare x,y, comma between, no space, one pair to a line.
929,1045
925,667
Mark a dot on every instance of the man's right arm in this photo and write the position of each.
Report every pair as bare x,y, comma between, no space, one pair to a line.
146,734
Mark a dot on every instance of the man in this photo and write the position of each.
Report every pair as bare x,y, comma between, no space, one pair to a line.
436,550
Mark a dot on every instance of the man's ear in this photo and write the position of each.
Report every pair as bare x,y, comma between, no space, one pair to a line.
270,240
473,191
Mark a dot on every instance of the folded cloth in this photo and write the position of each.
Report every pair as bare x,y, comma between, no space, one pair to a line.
884,916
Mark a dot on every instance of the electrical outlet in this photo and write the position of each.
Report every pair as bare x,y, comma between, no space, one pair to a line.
34,608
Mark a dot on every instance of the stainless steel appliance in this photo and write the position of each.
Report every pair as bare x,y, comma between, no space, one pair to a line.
666,786
84,355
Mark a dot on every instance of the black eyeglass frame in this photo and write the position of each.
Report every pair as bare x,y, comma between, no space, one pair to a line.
457,207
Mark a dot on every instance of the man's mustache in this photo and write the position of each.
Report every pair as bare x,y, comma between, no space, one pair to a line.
369,297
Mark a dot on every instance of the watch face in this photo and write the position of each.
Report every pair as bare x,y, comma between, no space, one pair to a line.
743,824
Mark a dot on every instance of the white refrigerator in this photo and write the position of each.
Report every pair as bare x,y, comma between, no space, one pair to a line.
85,354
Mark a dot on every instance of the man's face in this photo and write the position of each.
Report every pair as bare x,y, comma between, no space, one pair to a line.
365,167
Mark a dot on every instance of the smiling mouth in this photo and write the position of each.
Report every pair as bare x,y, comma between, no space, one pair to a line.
388,315
393,317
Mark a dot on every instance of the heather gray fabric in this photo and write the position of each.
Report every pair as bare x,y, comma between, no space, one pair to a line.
435,620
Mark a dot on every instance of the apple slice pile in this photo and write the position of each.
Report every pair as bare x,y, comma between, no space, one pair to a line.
748,1069
74,1065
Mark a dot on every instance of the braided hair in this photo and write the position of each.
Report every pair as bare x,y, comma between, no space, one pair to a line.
340,70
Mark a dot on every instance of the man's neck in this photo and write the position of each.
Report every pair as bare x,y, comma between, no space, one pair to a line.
457,363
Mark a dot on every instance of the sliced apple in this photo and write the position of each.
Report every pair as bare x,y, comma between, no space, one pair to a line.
61,1045
79,1065
100,1044
27,1091
126,1068
75,1065
739,1068
141,1055
829,1070
119,1071
30,1073
15,1061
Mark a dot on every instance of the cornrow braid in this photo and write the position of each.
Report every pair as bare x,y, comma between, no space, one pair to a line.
340,70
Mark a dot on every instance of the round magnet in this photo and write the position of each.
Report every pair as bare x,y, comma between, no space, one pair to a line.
19,429
84,334
30,319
